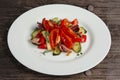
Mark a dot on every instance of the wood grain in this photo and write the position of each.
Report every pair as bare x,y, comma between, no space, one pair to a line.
107,10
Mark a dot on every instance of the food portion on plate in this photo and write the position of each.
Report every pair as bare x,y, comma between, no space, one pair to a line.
59,35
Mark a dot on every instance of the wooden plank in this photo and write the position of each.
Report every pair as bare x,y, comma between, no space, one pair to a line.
110,17
106,72
108,65
106,4
107,10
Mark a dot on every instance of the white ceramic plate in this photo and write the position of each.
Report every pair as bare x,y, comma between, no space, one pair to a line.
95,49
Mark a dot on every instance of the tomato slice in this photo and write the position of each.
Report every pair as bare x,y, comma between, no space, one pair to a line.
42,39
74,22
67,41
54,38
42,46
83,38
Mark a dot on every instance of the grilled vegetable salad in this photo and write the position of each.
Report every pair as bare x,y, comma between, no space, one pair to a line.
59,35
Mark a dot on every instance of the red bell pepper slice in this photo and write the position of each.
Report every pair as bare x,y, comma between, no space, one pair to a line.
69,32
54,38
42,43
48,25
74,22
44,22
39,35
77,39
67,41
73,35
64,23
80,39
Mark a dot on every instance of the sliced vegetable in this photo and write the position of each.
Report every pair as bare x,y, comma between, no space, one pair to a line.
56,51
57,40
59,36
74,22
77,39
64,23
35,41
54,38
47,25
64,48
48,46
75,28
39,35
46,35
42,40
68,53
50,24
82,30
55,20
69,32
42,46
40,26
47,51
35,32
70,25
77,47
66,39
44,22
83,38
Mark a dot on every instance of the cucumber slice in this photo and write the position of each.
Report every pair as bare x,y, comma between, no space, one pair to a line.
56,20
46,35
77,47
82,30
47,51
56,51
48,46
34,33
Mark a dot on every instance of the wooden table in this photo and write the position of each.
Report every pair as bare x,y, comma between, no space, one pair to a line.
108,69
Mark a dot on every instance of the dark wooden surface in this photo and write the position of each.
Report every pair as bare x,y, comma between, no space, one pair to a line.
108,10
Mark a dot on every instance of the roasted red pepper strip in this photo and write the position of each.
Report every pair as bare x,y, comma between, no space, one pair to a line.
48,25
67,41
44,22
73,35
54,38
80,39
64,23
74,22
69,32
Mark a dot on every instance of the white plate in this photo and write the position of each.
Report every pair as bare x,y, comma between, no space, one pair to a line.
95,49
